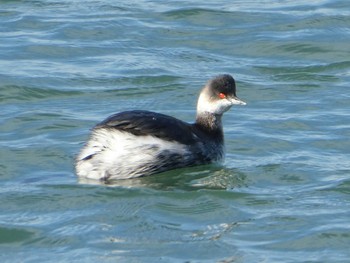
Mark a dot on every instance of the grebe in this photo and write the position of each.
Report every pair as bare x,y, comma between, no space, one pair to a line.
140,143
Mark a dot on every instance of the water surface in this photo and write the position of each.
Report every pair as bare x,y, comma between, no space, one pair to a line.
281,196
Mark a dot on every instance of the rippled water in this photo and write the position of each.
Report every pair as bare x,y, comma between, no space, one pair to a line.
283,194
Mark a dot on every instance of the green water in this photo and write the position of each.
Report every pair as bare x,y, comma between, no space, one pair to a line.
283,194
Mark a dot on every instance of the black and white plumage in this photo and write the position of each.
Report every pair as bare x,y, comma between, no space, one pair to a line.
140,143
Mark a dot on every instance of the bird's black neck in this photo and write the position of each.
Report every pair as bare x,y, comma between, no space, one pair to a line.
211,125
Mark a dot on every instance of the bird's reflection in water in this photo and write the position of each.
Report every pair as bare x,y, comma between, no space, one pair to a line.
187,179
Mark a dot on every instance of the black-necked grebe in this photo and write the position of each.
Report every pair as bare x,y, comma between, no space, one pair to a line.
140,143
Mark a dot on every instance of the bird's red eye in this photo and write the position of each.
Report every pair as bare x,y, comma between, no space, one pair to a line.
222,95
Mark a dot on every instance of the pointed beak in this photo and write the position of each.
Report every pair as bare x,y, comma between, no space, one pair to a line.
237,101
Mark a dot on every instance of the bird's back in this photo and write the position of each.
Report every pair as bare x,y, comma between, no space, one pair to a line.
139,143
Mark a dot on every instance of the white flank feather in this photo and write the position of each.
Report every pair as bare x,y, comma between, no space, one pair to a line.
115,154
